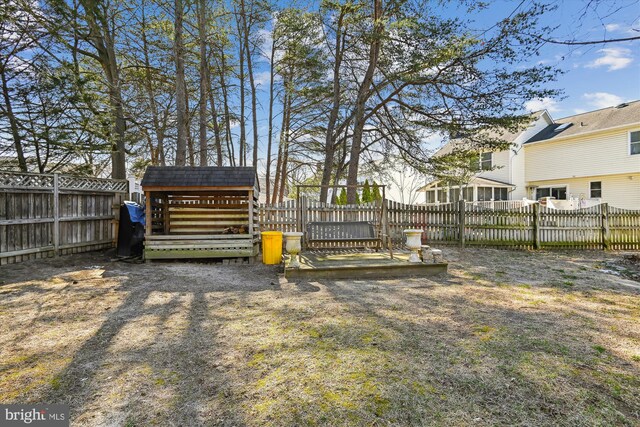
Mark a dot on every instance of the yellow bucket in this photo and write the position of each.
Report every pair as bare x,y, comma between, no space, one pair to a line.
272,247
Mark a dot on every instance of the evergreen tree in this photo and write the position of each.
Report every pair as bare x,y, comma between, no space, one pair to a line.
367,197
342,197
375,193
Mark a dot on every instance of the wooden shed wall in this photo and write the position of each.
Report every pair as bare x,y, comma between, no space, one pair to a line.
201,224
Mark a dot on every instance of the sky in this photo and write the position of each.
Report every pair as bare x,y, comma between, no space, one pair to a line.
595,76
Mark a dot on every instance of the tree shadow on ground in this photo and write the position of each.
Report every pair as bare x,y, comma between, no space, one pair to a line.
153,358
500,365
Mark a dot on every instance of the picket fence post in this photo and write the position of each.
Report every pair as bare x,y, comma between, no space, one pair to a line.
536,226
56,213
461,222
606,233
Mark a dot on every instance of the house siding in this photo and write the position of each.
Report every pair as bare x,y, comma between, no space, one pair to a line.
621,191
510,163
500,161
606,153
518,156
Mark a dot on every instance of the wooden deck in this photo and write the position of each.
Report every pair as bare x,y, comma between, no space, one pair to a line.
318,265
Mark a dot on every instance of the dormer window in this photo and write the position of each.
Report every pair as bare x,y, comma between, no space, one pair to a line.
634,142
485,161
562,127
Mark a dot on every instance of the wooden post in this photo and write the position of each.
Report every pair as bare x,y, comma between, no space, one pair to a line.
606,233
461,222
387,230
165,213
147,213
536,226
298,212
56,213
250,228
303,213
115,211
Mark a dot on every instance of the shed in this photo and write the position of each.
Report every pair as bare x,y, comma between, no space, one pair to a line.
200,212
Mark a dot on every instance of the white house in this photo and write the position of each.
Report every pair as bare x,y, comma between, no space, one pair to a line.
593,155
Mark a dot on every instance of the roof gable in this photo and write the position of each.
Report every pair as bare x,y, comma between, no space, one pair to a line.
203,176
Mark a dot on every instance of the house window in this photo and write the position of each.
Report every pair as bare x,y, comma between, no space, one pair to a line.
468,194
430,196
485,161
595,188
634,142
500,194
442,196
454,194
543,192
485,194
558,193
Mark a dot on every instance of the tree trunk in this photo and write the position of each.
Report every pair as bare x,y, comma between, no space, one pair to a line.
158,158
216,125
364,92
13,122
118,160
243,136
181,88
227,115
102,38
190,148
276,179
281,145
252,83
270,131
204,84
285,147
329,144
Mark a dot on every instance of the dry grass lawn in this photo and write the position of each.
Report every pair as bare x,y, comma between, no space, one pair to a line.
507,338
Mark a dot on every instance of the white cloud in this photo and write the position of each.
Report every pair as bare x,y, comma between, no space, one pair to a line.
551,105
602,99
612,27
616,58
262,78
266,39
579,111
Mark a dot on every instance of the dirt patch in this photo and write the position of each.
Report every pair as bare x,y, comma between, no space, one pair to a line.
626,265
533,338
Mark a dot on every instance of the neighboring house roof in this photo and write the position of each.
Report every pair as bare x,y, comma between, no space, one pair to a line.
592,121
478,181
505,135
192,176
508,136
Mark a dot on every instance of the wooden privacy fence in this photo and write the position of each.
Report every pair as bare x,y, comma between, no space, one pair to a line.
47,214
472,224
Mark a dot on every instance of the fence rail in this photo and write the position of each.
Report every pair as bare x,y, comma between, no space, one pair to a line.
46,214
515,225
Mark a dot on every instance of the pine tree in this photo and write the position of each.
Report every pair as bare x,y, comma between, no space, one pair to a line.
375,193
366,192
342,198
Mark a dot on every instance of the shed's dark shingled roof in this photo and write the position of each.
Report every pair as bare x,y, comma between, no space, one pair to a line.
591,121
191,176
